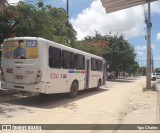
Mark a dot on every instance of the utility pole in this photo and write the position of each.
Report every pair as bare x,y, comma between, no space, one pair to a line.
148,70
67,6
152,60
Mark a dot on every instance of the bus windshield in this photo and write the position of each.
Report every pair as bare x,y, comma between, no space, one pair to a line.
20,49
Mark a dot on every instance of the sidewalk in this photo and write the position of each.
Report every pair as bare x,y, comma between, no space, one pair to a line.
142,108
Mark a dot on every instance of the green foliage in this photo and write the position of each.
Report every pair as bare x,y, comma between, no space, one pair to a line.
119,54
94,45
142,71
41,21
134,67
93,49
52,23
40,4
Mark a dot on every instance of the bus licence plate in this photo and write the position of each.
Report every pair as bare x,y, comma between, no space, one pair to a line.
19,77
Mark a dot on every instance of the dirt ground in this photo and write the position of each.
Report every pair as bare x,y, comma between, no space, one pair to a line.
141,108
120,101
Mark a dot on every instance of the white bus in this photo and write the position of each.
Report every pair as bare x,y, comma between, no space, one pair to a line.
39,65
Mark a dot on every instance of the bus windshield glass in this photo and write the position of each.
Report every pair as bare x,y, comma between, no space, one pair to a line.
20,49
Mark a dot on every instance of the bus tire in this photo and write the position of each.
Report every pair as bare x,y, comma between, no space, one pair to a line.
74,89
98,85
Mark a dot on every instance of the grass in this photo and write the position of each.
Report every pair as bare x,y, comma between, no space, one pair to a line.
153,88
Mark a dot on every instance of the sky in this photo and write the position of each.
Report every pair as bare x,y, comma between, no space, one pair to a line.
88,16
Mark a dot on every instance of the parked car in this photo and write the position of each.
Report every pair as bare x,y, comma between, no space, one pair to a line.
110,75
153,76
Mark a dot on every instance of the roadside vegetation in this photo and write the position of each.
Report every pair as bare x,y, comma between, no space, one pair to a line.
52,23
36,20
153,88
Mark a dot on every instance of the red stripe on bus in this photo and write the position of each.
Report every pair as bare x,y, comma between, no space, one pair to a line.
83,71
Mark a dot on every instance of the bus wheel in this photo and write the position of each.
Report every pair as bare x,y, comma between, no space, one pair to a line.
98,85
74,89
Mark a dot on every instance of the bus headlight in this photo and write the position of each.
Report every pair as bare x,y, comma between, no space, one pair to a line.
38,76
2,74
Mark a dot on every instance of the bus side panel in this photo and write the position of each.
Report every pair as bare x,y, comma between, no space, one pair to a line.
81,80
95,76
60,80
56,78
76,75
56,81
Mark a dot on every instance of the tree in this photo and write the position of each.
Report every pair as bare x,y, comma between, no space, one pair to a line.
134,68
142,71
119,54
38,21
94,45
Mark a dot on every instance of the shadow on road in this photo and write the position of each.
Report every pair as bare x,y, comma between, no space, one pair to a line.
52,100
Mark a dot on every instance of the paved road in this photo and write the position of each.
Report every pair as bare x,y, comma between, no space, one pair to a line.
105,106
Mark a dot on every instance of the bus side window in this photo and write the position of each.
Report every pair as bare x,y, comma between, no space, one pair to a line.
68,59
54,57
96,65
80,62
93,64
99,65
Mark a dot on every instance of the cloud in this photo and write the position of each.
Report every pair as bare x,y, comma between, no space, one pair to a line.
158,37
129,22
140,53
155,7
153,46
157,58
13,1
64,1
141,47
140,50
